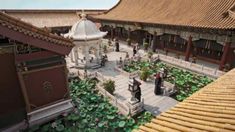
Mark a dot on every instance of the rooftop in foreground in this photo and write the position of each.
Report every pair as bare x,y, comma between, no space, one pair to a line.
217,14
210,109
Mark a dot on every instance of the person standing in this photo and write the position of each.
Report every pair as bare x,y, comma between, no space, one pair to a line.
134,50
117,45
158,83
127,55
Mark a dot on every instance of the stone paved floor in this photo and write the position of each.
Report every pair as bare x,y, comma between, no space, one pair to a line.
154,104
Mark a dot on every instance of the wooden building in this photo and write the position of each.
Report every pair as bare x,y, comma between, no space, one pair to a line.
33,73
194,28
57,21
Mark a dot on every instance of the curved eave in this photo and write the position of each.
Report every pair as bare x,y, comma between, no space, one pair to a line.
204,19
91,37
162,24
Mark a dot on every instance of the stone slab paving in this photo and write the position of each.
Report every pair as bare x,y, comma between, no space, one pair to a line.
154,104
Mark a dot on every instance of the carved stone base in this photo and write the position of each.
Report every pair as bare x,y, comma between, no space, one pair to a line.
133,101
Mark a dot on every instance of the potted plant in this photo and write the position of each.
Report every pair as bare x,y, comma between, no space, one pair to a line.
226,67
105,48
177,56
194,59
109,42
109,86
146,45
144,74
128,41
150,54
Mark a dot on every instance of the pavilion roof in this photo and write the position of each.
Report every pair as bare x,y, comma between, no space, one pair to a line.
42,37
215,14
210,109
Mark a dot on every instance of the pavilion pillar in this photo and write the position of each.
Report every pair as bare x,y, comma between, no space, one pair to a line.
76,55
129,33
189,48
97,54
71,55
227,47
86,55
112,33
154,46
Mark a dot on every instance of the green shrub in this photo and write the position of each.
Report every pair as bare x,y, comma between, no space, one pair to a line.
105,48
109,86
144,74
150,54
128,41
146,45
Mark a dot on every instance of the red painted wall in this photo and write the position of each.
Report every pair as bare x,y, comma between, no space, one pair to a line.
46,86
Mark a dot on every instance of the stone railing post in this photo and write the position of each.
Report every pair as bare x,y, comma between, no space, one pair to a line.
116,102
215,71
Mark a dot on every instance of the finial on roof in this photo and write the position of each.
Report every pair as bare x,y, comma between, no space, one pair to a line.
83,15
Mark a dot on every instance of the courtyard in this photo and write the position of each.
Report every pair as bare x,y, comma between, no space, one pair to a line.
117,65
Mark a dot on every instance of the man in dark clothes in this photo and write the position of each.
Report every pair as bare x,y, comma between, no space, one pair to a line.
158,83
117,45
103,61
134,50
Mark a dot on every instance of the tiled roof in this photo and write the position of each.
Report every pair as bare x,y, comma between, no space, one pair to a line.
210,109
192,13
52,18
32,31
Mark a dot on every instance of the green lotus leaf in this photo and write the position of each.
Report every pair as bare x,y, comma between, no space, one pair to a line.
101,124
60,128
131,122
110,117
84,121
83,114
121,123
90,108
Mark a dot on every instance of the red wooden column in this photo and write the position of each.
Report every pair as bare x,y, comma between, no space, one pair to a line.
189,48
225,54
154,46
112,33
129,33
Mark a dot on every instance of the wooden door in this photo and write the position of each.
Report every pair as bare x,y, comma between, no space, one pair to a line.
11,98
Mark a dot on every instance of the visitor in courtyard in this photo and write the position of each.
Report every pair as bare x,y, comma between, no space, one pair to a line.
134,50
105,57
165,73
117,45
109,42
103,61
194,59
158,83
137,46
127,55
120,61
85,73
